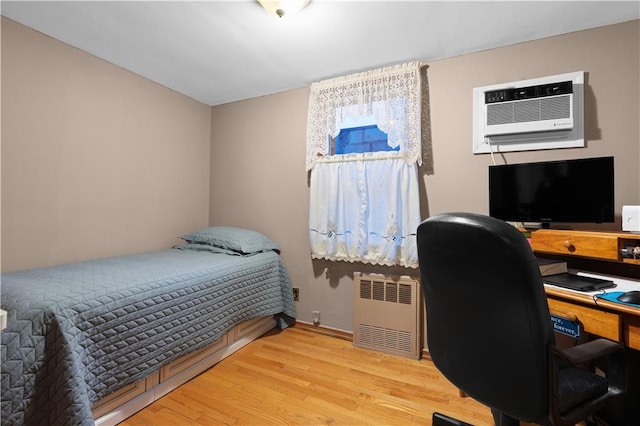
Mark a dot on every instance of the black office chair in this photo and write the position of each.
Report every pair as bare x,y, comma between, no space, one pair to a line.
489,329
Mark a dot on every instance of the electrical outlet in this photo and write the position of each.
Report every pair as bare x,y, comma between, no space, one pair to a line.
296,294
316,318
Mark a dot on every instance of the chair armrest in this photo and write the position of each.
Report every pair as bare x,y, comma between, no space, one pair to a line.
589,351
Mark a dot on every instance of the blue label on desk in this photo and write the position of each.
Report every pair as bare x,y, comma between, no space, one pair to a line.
566,327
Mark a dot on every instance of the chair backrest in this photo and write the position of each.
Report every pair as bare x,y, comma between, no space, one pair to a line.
488,324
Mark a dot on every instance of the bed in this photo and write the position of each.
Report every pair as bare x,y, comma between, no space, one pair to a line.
80,333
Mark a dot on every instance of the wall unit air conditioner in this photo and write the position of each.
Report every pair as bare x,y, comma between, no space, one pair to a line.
387,314
540,113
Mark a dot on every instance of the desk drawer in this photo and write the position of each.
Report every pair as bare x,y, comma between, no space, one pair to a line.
600,323
632,332
576,243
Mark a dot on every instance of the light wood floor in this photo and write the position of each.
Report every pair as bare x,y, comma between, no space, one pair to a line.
298,377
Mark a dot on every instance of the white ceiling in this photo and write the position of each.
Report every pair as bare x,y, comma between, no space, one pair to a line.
224,51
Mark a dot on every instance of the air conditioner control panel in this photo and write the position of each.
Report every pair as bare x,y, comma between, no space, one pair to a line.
530,92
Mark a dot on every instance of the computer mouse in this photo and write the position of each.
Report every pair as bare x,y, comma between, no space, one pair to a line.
632,297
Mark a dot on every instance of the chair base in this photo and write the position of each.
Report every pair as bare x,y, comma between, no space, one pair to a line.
441,420
502,419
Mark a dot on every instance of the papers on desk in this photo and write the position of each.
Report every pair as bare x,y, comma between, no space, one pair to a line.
622,284
551,267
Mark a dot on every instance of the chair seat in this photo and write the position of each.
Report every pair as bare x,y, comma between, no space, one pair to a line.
576,386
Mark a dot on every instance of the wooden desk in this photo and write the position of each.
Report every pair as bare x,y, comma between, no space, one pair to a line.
611,320
600,252
614,321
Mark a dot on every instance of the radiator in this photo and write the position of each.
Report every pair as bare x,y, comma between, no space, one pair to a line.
387,314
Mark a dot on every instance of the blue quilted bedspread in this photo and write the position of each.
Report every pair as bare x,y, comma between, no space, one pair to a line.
76,333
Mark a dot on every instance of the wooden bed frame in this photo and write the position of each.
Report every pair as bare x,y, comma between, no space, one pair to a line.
130,399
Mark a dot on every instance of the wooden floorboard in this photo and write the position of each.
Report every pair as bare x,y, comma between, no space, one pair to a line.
297,377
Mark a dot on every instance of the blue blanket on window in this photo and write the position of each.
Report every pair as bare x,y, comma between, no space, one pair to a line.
77,332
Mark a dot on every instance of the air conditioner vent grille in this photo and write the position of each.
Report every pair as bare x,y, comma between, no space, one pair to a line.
526,111
553,108
387,314
557,107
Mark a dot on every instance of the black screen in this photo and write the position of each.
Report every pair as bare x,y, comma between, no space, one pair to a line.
555,191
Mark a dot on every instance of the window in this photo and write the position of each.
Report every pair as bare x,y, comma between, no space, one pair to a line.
361,139
363,150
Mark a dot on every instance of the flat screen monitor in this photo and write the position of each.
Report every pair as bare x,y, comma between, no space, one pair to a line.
565,191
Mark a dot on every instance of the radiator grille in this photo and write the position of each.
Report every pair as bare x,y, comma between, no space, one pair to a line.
385,338
387,314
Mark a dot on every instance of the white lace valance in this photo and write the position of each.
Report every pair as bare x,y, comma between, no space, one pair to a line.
390,94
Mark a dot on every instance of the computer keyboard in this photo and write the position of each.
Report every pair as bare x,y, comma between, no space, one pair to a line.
577,282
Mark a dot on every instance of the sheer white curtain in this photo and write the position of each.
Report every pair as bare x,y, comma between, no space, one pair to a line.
365,207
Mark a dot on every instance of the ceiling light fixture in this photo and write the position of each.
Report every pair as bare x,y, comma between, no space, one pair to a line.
283,7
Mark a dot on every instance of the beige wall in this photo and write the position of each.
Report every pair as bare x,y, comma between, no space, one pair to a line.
257,165
96,161
610,58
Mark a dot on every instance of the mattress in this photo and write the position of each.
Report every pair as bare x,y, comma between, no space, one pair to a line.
75,333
